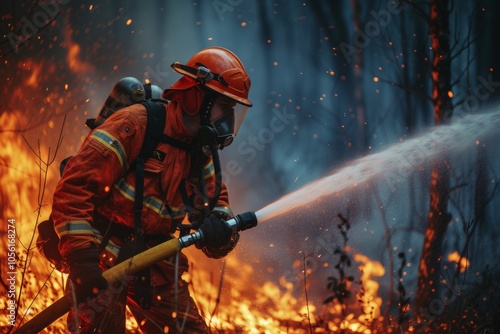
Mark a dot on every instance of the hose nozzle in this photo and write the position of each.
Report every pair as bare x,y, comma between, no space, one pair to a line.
243,221
239,222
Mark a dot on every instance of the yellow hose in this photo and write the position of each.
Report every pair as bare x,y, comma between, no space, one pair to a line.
128,267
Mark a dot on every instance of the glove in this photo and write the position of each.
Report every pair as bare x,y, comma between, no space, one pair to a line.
216,232
85,273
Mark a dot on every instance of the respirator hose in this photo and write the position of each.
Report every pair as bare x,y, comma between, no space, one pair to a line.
218,175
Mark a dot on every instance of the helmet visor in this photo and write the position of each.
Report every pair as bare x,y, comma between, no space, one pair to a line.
227,116
240,111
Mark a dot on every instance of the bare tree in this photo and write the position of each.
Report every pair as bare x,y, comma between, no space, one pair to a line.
439,217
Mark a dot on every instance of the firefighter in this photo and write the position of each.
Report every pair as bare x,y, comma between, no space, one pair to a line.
93,204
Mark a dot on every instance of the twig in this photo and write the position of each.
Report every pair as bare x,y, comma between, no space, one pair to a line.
41,194
339,285
34,35
403,301
388,247
34,298
304,271
407,89
217,300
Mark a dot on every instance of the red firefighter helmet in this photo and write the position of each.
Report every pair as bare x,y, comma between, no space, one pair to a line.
218,69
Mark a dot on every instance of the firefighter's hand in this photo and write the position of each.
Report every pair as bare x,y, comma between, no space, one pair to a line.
85,274
216,232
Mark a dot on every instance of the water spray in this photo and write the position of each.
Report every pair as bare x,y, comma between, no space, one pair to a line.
131,266
393,163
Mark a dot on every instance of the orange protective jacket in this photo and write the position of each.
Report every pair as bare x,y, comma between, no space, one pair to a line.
99,179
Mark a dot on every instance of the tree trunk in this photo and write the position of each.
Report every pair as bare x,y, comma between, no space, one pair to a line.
429,300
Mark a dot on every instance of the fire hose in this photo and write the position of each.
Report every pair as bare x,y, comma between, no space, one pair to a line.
133,265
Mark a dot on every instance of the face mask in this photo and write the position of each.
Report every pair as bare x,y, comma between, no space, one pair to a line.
224,126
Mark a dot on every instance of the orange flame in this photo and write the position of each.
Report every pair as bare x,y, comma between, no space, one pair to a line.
73,57
273,307
461,261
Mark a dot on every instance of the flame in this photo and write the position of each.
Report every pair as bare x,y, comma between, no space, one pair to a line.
274,307
245,305
33,80
462,261
73,57
370,269
19,196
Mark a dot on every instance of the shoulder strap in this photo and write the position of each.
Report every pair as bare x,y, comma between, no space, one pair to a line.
154,131
154,128
153,134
